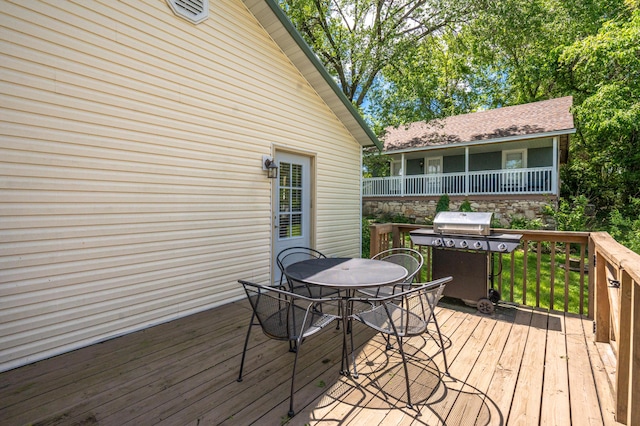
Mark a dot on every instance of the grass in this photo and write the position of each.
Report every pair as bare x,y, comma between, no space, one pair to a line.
544,281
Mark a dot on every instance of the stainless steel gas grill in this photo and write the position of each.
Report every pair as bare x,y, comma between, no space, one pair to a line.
464,248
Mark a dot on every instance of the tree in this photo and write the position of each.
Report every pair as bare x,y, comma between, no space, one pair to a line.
432,80
357,39
603,72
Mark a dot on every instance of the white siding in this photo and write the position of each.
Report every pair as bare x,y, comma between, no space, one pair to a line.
131,189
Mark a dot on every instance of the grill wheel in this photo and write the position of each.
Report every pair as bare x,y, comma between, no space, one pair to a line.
485,306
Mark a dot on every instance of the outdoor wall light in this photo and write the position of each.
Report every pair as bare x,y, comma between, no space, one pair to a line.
270,166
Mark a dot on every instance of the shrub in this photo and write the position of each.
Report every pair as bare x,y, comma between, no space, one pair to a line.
571,215
466,206
521,222
443,204
366,237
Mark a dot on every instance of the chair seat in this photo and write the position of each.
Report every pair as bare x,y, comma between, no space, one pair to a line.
384,291
406,323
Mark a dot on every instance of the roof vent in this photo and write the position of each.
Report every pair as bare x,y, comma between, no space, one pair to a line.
195,11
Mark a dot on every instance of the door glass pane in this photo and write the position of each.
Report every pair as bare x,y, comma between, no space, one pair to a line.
290,203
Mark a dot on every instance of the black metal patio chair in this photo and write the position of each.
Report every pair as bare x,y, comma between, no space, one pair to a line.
403,315
283,315
411,259
292,255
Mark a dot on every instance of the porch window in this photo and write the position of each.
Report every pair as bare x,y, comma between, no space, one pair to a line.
514,159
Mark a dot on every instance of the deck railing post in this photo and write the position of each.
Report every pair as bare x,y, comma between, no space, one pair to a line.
624,342
602,312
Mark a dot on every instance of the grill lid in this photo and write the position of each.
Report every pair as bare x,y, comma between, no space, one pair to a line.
470,223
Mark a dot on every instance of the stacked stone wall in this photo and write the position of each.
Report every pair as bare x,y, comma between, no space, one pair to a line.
424,210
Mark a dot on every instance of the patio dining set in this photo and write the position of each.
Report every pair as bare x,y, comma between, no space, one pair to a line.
383,293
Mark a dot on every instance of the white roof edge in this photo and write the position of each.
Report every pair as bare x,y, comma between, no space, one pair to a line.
484,141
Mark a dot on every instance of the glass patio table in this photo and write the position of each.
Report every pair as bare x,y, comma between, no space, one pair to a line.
346,275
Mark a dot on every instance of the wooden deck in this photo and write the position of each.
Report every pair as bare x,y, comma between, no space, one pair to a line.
519,366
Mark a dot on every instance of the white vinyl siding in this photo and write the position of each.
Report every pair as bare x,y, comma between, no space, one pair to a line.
131,188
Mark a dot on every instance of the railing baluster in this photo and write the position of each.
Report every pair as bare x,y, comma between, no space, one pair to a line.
538,265
513,273
582,279
567,268
553,276
525,245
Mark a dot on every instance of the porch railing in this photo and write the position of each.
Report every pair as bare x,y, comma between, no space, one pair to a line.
538,180
585,273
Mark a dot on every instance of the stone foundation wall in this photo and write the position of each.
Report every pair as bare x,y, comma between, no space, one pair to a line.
423,210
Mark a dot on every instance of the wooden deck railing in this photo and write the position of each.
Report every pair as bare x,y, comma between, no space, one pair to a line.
617,319
605,281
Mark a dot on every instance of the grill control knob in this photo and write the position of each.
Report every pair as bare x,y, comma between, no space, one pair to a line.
477,245
437,242
464,244
502,247
450,243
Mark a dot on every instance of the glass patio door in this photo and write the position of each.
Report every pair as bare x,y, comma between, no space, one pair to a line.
513,162
292,205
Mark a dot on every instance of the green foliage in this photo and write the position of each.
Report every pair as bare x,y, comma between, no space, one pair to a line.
521,222
572,215
394,218
626,230
366,237
443,204
466,206
374,163
603,70
357,39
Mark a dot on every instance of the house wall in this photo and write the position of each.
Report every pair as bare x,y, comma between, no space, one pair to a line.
131,189
537,156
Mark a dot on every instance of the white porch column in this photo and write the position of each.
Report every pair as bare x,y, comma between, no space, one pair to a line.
403,173
466,170
556,168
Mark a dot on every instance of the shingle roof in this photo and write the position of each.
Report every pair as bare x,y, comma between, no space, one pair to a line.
528,119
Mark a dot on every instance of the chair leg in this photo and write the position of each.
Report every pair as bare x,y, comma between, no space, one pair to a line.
406,374
444,353
291,412
246,342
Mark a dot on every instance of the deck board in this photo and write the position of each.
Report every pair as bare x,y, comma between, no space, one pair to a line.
518,366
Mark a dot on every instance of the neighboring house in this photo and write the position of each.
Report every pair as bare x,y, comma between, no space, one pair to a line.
133,142
505,160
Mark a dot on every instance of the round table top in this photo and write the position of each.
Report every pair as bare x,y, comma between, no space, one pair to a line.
340,272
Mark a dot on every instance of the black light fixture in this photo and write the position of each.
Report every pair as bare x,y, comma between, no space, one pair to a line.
270,166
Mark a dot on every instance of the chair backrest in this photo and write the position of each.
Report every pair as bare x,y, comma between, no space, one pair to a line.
292,255
411,259
271,308
409,312
283,315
